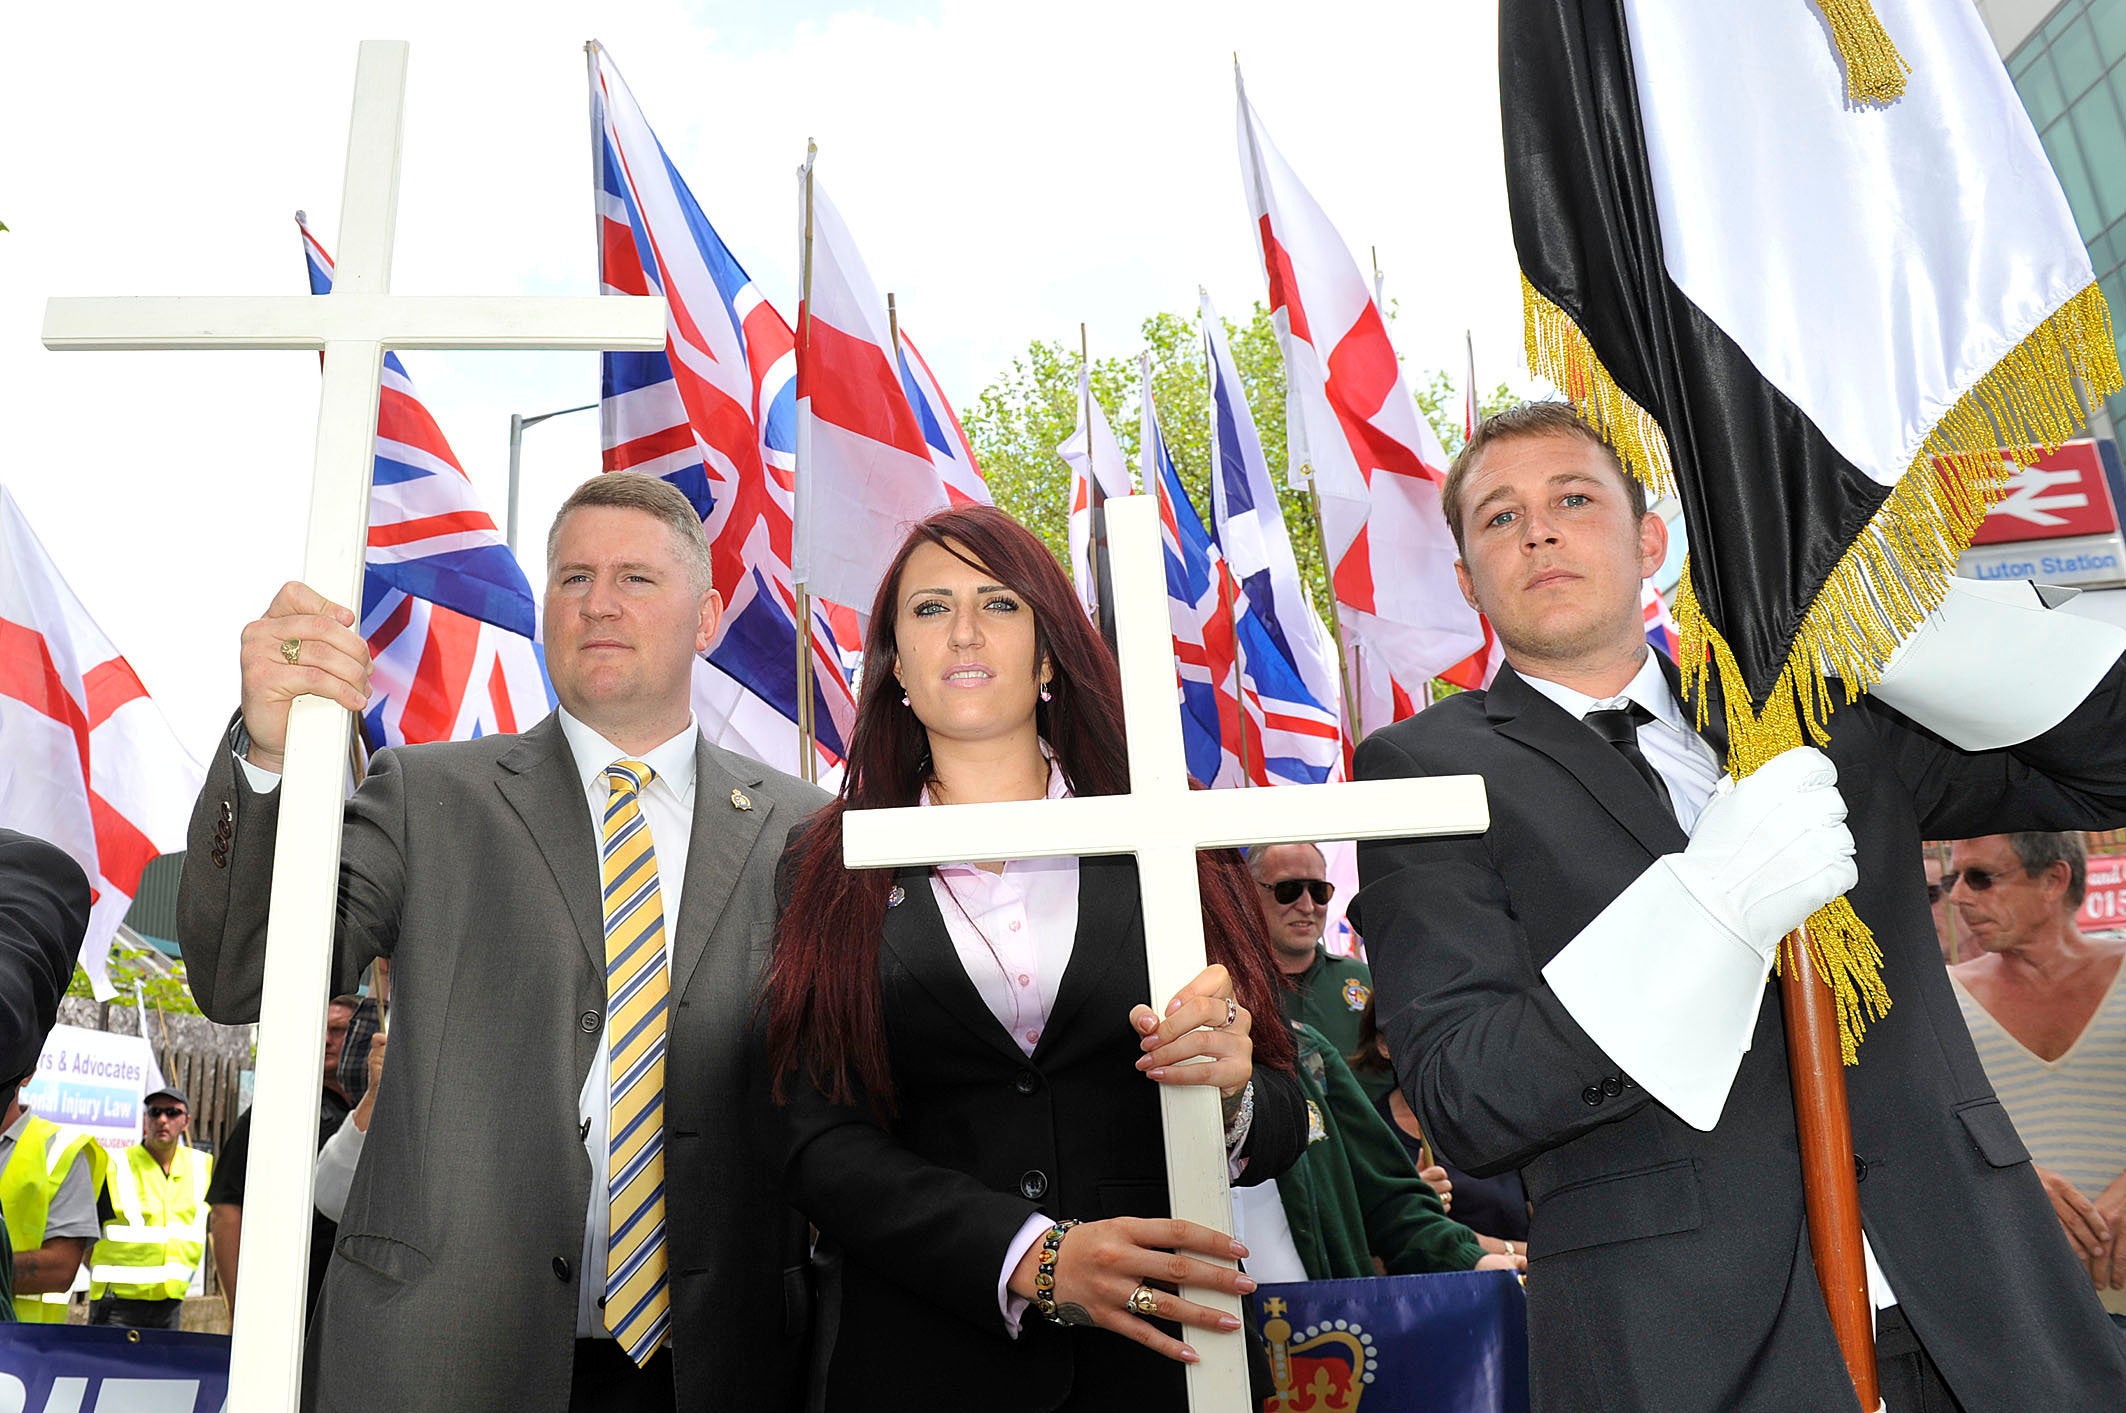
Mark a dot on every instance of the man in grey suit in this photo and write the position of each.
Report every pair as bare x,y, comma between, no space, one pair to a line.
552,1212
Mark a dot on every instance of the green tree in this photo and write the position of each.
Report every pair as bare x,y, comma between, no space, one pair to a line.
1020,419
137,970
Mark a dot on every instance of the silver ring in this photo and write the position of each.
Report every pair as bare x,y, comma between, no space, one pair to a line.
1232,1013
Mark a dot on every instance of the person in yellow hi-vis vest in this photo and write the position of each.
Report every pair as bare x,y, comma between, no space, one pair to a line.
48,1195
155,1222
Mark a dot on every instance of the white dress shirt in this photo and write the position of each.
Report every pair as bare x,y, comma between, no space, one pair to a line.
1678,754
1687,765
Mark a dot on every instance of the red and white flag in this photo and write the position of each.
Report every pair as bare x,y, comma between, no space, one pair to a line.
1375,460
86,759
864,472
1092,454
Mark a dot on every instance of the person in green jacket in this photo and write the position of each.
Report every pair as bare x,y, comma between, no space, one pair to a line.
1352,1205
1328,992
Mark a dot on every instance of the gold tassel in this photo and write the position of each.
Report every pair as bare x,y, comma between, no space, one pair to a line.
1559,352
1891,577
1874,70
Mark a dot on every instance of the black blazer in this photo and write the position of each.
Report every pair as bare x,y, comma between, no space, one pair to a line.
915,1220
1670,1268
44,913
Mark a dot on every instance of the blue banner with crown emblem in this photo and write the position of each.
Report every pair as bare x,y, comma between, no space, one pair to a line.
1452,1343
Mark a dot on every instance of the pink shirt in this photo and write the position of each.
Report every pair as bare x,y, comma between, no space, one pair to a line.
1014,931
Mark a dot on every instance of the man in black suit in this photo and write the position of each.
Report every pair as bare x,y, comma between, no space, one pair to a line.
1580,993
44,913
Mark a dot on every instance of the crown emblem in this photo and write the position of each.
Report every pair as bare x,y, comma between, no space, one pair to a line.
1322,1368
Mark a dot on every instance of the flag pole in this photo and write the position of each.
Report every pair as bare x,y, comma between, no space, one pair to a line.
1103,575
1228,589
1829,1183
807,753
1348,668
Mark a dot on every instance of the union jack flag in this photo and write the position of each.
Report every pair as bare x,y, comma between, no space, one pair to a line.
949,447
450,619
1200,597
716,415
1287,660
1660,628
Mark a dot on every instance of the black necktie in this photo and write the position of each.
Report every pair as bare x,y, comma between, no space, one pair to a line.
1620,727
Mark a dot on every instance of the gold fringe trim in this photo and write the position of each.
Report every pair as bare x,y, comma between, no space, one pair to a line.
1891,578
1874,70
1560,353
1894,575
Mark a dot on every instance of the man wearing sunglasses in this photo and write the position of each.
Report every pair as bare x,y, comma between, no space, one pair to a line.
154,1222
2049,1017
1328,993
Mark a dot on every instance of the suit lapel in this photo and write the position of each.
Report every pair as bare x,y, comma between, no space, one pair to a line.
1519,711
915,933
1108,911
540,782
724,838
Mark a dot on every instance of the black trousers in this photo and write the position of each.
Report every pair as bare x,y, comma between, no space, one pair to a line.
605,1380
1910,1381
136,1314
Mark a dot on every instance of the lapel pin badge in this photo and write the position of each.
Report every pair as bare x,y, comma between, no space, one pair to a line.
740,800
896,897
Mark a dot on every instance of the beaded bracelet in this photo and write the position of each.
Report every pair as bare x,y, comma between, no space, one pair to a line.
1044,1276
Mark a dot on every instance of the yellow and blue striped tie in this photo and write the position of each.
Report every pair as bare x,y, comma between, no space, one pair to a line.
638,1297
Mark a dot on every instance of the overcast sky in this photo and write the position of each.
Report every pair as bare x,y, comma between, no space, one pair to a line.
1008,169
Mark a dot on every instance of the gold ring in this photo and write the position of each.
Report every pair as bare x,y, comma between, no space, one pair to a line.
292,649
1144,1300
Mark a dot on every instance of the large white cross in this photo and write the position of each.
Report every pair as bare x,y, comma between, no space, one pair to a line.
353,326
1164,823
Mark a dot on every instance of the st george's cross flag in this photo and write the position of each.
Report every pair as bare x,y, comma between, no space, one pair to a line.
1812,278
947,440
1095,459
864,470
446,610
1354,427
87,760
715,414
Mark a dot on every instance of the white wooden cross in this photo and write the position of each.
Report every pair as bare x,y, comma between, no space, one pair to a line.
353,326
1164,823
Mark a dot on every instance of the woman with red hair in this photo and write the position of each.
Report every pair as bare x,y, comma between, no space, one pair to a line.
963,1057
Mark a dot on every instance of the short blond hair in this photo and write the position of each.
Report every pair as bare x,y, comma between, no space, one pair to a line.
654,497
1527,419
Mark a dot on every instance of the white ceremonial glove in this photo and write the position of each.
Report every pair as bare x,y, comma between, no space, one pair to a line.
1669,978
1997,664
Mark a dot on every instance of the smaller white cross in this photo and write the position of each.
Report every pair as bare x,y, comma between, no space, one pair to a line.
1164,823
353,326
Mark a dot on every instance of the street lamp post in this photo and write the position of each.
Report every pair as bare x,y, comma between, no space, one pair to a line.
517,423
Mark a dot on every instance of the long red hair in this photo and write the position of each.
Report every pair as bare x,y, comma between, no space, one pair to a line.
825,1012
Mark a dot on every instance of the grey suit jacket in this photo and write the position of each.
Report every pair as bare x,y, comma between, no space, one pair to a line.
473,867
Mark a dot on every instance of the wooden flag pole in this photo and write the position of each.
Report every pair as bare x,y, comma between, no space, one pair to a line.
807,752
1829,1183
